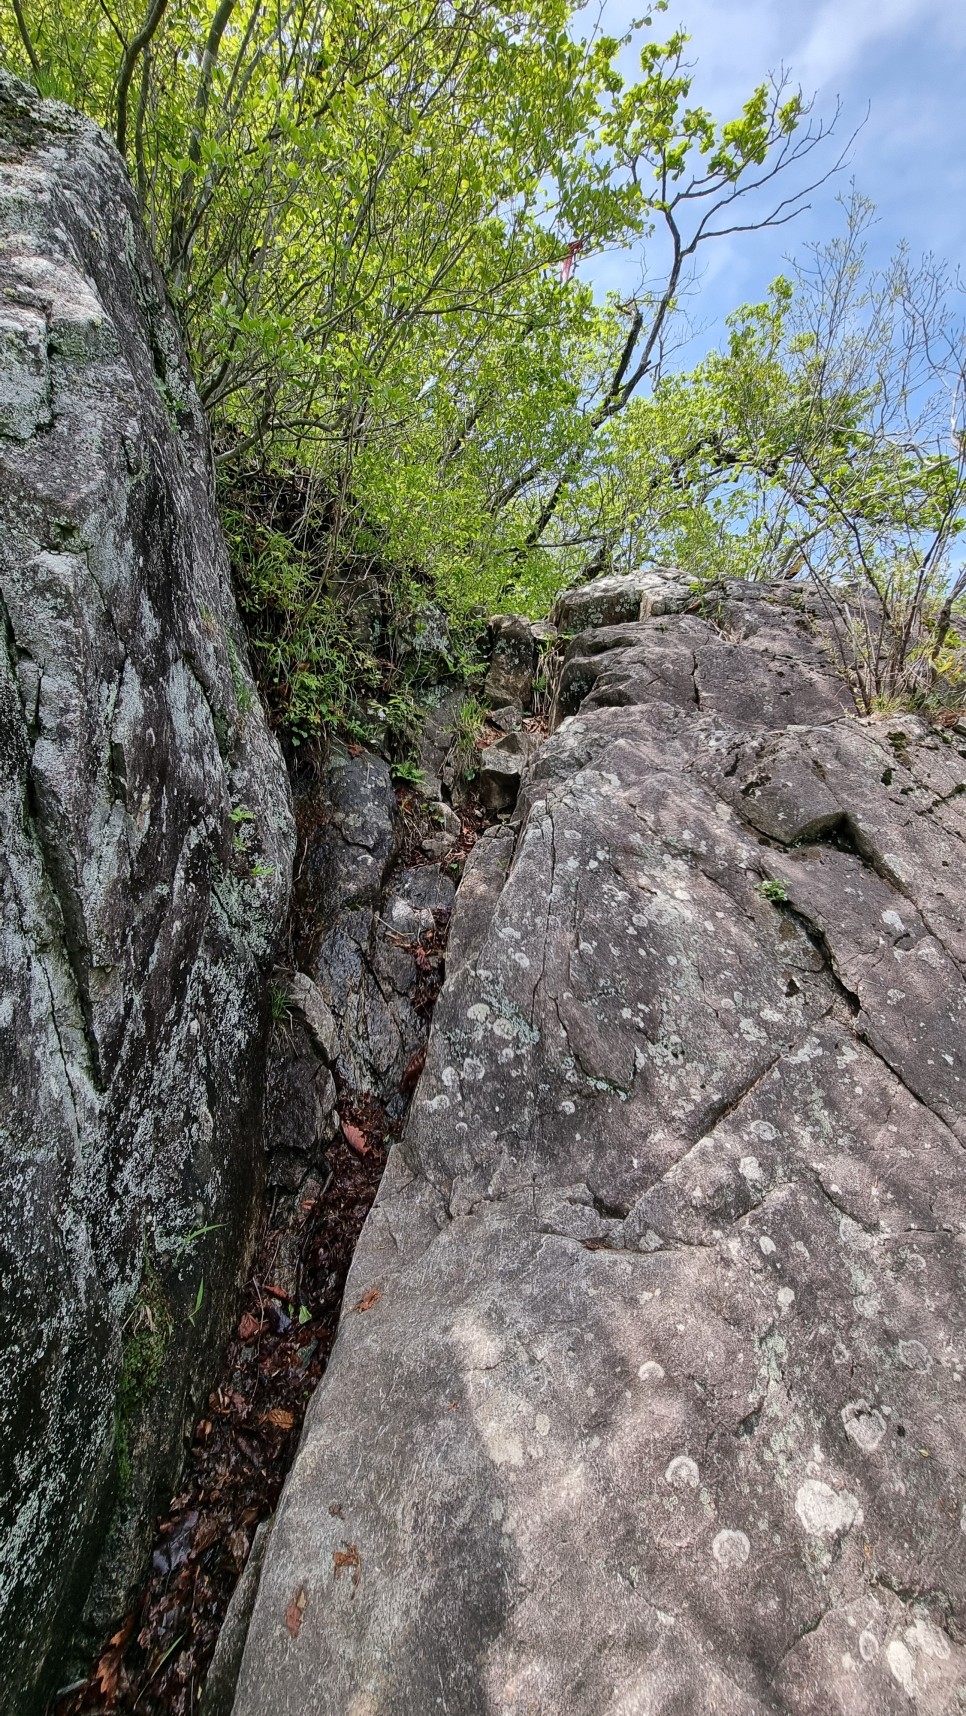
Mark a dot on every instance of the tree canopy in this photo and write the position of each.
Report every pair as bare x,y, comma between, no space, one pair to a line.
368,215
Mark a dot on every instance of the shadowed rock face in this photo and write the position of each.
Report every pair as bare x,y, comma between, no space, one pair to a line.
660,1408
138,910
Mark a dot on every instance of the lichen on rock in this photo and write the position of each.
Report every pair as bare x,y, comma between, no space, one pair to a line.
135,934
661,1403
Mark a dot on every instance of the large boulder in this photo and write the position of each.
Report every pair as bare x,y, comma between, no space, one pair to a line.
649,1390
145,860
362,919
621,596
513,661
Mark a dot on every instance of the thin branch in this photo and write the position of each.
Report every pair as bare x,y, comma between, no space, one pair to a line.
25,38
128,63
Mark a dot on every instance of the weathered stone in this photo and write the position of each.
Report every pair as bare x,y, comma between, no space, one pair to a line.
498,781
501,771
444,833
622,596
509,719
513,663
660,1406
305,999
146,854
300,1100
222,1677
436,736
360,919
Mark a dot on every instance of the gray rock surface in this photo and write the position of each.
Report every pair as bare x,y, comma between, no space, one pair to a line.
621,596
145,857
513,663
501,767
659,1408
222,1677
436,734
361,918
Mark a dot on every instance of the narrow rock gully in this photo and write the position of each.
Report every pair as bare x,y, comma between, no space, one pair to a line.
351,1006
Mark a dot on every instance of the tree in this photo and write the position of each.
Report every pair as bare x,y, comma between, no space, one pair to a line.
825,439
362,210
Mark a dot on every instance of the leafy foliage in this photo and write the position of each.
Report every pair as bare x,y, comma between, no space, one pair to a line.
362,210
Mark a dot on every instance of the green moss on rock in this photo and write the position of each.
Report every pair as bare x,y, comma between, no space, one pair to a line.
146,1339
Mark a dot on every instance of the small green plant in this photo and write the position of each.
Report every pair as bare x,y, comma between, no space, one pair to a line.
145,1339
199,1300
277,1002
259,871
407,771
244,695
772,890
189,1239
467,728
242,819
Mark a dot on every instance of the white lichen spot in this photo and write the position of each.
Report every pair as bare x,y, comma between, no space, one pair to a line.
568,1108
894,922
868,1645
449,1078
503,1447
651,1371
928,1639
479,1012
825,1512
683,1473
901,1667
731,1548
864,1424
785,1298
473,1070
541,1424
766,1245
915,1356
750,1169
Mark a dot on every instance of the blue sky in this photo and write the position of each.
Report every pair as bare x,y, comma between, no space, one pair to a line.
902,60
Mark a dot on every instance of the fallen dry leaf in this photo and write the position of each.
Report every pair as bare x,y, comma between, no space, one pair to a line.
355,1139
347,1559
414,1067
295,1611
372,1297
248,1328
278,1416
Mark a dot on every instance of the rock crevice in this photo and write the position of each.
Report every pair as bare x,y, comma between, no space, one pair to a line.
137,926
661,1403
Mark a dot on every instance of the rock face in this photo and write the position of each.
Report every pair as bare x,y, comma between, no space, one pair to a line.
649,1392
501,771
513,663
362,916
621,596
146,850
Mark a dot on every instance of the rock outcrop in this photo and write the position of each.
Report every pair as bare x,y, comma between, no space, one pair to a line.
146,855
513,661
649,1390
362,914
